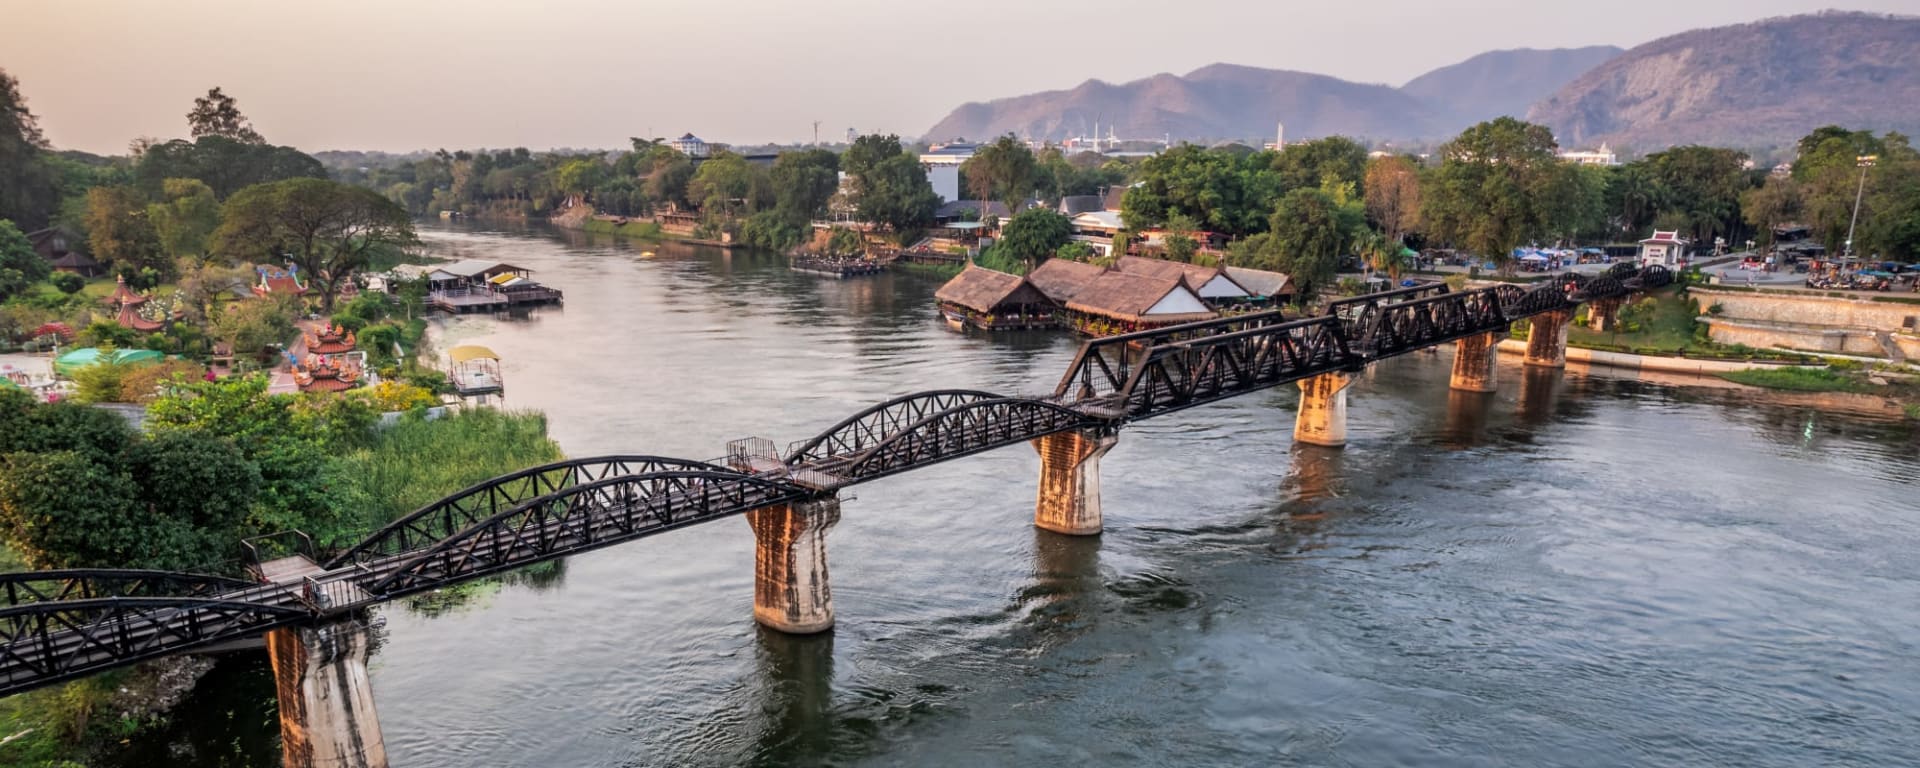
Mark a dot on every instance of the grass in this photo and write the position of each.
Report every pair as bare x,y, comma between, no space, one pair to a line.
1798,380
1668,328
416,462
646,230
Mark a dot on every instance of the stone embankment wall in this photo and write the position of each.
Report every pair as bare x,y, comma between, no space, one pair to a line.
1812,321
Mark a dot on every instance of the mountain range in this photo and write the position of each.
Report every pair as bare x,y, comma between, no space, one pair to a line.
1763,84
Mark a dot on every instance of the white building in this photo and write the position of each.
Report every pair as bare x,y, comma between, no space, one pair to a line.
689,145
1665,249
942,163
1601,156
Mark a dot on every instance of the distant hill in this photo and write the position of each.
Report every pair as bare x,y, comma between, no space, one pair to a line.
1213,102
1763,84
1500,83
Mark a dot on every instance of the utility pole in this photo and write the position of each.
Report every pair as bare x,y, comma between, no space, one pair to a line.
816,133
1865,162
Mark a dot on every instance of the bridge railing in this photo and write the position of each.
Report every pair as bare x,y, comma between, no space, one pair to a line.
965,430
1406,326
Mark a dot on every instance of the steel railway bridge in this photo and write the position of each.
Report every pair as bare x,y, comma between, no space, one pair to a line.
59,625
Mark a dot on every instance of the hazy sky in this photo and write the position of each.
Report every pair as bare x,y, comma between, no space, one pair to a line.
408,74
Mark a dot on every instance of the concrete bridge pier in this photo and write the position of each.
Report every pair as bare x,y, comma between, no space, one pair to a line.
1069,499
1322,417
1476,363
327,718
1602,313
790,589
1547,339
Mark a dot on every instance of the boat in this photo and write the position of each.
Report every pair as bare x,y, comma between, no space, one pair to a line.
955,320
646,254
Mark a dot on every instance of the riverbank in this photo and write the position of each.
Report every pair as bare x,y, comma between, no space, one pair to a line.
585,220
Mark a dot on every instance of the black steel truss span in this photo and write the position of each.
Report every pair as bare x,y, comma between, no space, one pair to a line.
1104,365
1399,328
42,643
466,508
963,431
576,519
85,584
867,428
1189,373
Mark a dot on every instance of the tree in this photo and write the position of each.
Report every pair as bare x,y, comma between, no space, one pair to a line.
803,183
1034,234
1188,180
62,509
28,195
186,216
842,241
199,481
325,227
20,266
224,164
1310,230
1392,189
1487,195
216,115
1770,205
896,193
251,327
868,152
1702,186
1002,170
578,177
1312,163
121,234
727,184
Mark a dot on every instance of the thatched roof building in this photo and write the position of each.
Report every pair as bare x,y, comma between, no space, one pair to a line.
1262,284
1211,283
988,299
1060,279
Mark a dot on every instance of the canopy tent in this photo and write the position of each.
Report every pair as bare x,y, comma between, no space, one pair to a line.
77,359
470,352
1533,257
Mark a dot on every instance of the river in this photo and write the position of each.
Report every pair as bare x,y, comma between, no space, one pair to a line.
1576,570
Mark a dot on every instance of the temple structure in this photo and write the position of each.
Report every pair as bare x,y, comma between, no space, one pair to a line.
331,363
126,306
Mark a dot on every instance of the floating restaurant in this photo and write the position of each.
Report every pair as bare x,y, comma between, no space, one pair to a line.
984,298
1099,301
473,285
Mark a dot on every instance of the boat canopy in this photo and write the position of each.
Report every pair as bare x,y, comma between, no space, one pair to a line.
468,352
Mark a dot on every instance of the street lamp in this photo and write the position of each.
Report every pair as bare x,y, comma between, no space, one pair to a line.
1865,162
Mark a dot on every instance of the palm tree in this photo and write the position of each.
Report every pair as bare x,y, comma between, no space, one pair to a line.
1383,254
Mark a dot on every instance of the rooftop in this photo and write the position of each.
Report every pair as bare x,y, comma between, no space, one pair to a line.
984,290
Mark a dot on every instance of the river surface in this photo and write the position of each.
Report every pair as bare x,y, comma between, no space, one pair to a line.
1576,570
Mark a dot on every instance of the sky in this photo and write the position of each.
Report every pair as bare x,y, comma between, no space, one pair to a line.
399,75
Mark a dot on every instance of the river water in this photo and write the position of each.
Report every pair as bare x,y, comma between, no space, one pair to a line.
1576,570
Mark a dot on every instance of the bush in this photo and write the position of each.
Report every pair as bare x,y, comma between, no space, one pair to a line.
146,382
101,382
389,396
68,282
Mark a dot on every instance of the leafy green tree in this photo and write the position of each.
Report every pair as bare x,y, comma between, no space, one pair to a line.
1034,234
1890,219
843,241
578,177
1703,187
251,327
216,114
1208,186
185,218
1770,205
20,267
1488,193
28,194
68,282
1309,232
727,184
200,480
32,427
867,153
224,164
1311,164
1002,170
120,233
803,183
325,227
668,175
896,193
62,509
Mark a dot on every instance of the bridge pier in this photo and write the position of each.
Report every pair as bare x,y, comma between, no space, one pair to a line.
1476,363
1547,339
327,718
790,589
1069,498
1601,313
1322,417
